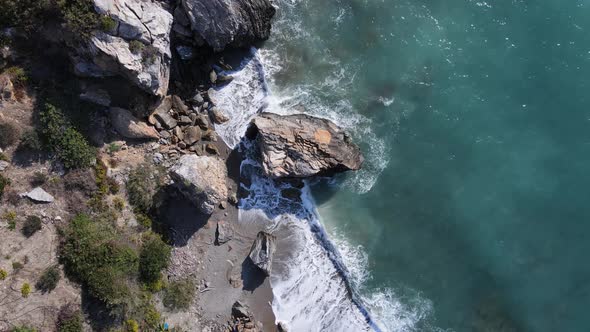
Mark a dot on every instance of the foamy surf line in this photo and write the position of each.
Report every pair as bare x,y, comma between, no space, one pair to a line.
331,303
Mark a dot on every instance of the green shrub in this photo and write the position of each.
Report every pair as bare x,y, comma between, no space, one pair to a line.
70,146
149,54
25,290
3,274
136,47
38,179
131,325
79,16
96,255
29,140
49,279
9,134
17,75
23,329
179,294
74,324
153,258
142,185
3,157
31,226
26,14
4,183
118,203
107,23
17,266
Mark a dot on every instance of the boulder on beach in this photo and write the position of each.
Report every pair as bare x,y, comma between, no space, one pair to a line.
137,48
302,146
202,180
236,23
262,251
129,126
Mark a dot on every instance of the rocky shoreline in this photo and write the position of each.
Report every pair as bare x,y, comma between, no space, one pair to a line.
147,72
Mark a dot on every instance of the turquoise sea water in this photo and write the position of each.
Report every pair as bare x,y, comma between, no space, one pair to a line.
471,213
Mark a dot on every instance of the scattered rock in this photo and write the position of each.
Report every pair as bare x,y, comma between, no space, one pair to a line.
237,23
166,120
97,96
212,149
223,233
164,134
262,251
6,88
239,310
210,135
3,165
198,99
202,121
301,146
39,195
129,126
202,180
185,120
213,77
233,199
192,135
179,105
218,116
178,133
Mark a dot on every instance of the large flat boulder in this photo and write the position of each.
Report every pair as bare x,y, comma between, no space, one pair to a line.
223,23
302,146
202,180
138,48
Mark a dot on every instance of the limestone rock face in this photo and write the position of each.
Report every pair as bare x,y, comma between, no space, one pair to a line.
262,251
202,180
301,146
223,23
129,126
138,22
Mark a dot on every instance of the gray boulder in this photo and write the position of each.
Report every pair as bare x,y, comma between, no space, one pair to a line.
223,233
223,23
129,126
262,251
202,180
39,195
110,53
302,146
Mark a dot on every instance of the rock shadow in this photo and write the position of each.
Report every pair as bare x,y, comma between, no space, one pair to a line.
252,275
180,218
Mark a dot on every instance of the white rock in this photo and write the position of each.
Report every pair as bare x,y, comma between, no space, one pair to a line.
39,195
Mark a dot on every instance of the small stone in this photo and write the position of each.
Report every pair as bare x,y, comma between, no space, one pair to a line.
223,205
218,116
182,145
192,135
3,165
166,120
185,120
213,76
239,310
179,105
233,199
178,132
206,105
210,135
202,121
198,99
158,158
164,134
212,149
57,218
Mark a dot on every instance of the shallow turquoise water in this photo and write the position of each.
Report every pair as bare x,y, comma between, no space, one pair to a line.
472,209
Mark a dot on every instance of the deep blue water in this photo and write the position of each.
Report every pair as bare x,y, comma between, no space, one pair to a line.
472,212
